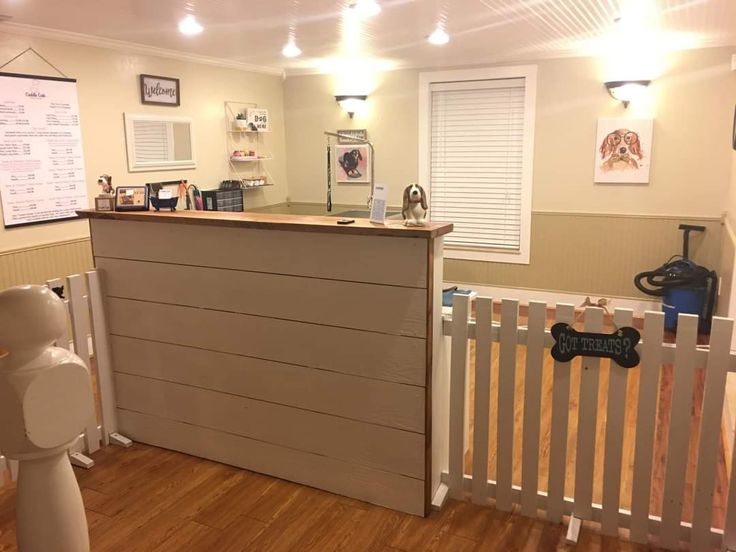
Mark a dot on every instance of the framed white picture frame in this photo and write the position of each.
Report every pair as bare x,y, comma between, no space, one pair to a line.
353,163
623,151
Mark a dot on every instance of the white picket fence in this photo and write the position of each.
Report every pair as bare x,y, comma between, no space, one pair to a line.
87,337
684,354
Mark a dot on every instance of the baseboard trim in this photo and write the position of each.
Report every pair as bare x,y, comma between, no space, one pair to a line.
639,306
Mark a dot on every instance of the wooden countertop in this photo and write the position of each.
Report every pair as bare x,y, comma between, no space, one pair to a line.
268,221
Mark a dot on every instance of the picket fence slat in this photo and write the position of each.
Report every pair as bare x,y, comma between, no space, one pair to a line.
614,440
710,431
587,416
729,529
649,368
78,310
482,408
679,430
3,468
532,406
103,359
558,431
505,417
458,369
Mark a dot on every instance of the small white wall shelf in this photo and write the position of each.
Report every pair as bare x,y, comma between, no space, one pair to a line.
249,169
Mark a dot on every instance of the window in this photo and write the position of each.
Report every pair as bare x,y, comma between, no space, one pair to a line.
476,145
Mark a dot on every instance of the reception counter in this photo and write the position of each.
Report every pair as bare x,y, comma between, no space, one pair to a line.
286,345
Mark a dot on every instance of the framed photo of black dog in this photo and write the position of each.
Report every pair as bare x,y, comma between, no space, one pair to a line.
353,164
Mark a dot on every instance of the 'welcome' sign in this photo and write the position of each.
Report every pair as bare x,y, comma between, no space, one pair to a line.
618,346
159,90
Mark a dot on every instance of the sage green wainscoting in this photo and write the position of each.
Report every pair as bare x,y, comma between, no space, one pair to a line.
593,254
35,265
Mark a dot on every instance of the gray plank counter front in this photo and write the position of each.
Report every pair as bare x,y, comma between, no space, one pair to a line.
287,345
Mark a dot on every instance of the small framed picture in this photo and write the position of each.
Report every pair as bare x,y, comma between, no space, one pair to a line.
357,134
157,90
104,203
131,198
733,131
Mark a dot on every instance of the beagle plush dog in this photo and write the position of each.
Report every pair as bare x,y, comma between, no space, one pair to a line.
414,209
621,151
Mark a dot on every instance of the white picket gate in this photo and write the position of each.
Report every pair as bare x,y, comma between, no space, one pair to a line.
684,355
87,337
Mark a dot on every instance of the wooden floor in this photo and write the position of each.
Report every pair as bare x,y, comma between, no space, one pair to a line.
145,498
661,431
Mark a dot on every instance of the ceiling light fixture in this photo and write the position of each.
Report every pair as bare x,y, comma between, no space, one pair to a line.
439,37
627,90
291,50
351,103
190,26
366,8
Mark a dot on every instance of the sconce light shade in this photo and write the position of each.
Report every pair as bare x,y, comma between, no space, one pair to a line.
626,91
351,102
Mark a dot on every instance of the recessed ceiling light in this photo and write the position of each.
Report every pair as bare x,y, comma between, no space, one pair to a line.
291,50
438,37
190,26
366,8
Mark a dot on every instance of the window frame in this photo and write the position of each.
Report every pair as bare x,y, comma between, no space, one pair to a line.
527,72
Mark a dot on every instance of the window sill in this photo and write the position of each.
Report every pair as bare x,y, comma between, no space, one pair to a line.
487,255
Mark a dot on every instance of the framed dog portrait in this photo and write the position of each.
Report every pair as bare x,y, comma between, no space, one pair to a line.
623,151
353,164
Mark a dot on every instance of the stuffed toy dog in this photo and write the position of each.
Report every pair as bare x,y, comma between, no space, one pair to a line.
414,208
105,182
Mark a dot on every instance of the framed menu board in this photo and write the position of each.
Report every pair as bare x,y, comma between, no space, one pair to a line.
41,159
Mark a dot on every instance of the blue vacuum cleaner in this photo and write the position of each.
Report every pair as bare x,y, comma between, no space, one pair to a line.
683,286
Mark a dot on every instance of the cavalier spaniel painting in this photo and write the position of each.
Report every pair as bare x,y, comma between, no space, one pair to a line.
623,151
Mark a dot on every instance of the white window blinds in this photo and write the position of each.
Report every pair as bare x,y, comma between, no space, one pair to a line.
476,162
153,141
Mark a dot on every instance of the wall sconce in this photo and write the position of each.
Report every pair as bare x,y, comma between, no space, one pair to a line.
351,102
626,91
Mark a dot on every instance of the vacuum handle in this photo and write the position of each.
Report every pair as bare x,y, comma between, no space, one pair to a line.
686,237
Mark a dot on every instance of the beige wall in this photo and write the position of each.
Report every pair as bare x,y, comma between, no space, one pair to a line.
727,300
692,106
108,87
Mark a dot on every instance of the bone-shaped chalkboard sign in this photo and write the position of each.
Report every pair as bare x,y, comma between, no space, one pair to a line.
618,346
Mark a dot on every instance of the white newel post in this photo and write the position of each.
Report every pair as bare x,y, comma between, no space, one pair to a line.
45,401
